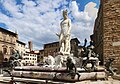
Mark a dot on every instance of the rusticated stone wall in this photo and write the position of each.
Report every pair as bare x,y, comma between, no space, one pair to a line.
111,31
107,31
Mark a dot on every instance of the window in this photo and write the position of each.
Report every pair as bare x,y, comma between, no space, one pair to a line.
5,59
14,39
71,48
11,51
4,37
7,37
4,50
11,39
0,35
45,51
56,50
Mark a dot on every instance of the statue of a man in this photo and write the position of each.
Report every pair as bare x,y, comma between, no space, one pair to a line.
71,68
108,66
64,36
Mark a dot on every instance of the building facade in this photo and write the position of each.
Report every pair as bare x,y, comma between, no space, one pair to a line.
53,48
29,58
41,56
41,52
20,46
98,34
107,31
7,43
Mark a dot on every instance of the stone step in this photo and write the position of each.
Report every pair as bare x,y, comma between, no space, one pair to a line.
48,69
117,77
59,76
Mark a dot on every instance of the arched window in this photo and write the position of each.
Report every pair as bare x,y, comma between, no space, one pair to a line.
0,35
11,51
5,59
4,50
7,38
11,39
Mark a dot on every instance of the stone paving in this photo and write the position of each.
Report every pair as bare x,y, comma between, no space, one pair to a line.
99,82
109,81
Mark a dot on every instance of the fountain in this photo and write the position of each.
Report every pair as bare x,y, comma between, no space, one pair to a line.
63,66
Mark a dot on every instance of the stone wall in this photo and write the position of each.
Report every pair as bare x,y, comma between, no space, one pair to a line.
107,31
111,31
98,34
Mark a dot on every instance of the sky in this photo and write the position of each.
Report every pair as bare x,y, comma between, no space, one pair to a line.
39,20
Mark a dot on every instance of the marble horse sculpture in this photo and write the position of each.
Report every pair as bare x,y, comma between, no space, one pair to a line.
58,61
49,61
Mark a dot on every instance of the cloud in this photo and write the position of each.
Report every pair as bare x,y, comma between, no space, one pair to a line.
39,21
83,20
92,11
79,15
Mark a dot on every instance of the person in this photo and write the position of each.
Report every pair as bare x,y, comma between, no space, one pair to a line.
64,36
108,66
71,69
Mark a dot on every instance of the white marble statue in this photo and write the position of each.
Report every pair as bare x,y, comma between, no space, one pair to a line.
49,61
58,61
64,36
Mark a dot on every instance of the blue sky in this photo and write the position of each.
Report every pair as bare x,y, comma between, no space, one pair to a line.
84,2
39,20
